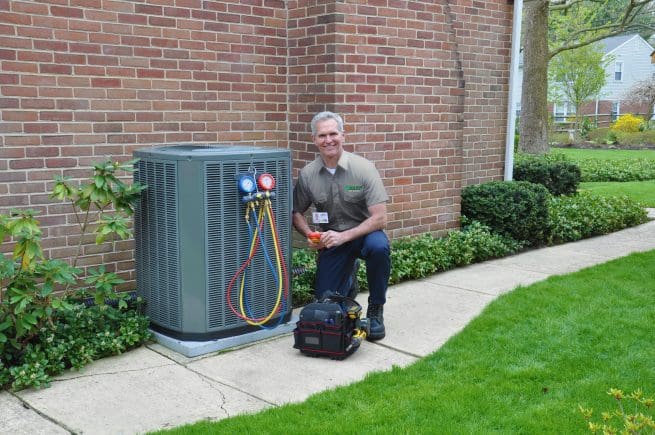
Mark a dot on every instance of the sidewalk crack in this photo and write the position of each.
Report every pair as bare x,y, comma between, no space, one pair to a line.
91,375
222,399
45,416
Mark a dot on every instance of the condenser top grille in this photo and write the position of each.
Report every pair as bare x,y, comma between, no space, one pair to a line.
201,152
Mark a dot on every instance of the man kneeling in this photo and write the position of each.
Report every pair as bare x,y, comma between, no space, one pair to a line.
350,201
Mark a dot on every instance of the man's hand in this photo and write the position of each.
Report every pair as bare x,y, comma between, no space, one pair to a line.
331,239
314,240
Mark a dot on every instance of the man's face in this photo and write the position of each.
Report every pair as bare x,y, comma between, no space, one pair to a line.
328,139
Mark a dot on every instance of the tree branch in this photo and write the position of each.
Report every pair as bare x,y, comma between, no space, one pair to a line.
626,24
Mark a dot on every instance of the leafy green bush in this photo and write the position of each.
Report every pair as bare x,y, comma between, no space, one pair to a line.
619,138
76,337
29,306
598,135
476,243
420,256
415,257
554,171
303,276
586,215
517,209
636,138
617,170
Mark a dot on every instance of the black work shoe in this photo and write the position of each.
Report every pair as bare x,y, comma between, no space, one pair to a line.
374,313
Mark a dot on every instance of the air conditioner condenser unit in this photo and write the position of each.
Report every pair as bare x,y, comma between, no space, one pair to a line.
191,238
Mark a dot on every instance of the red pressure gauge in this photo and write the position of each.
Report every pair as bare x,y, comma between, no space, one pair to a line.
266,182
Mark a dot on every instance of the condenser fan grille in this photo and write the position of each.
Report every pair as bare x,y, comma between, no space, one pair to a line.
156,235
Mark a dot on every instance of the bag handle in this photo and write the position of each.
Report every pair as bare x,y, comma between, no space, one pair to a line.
341,299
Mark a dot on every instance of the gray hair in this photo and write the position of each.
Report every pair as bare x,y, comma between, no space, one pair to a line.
324,116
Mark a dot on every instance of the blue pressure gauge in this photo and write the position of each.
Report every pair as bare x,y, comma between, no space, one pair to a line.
247,184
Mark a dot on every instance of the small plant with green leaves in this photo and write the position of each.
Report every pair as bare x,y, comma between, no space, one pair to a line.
622,420
28,282
304,276
30,307
586,126
92,202
103,284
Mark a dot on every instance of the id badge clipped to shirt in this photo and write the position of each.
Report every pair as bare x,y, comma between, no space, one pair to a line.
320,217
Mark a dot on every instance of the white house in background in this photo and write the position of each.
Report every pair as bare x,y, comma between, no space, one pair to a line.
631,62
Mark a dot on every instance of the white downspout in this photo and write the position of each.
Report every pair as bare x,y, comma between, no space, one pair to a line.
513,76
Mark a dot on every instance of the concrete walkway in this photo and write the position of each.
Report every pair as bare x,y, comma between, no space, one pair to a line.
152,387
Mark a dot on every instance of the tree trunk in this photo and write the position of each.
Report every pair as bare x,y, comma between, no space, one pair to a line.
533,127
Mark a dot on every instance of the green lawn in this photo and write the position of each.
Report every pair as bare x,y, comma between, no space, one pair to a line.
523,366
602,154
640,191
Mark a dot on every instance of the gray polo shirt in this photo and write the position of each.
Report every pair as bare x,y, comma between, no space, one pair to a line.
344,196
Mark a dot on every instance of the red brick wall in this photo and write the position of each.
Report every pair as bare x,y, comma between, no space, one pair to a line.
484,43
423,89
86,80
422,86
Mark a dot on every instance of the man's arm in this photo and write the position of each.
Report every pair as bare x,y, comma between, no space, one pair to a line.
376,221
300,223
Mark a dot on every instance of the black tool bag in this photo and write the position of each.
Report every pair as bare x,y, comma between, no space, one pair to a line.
330,327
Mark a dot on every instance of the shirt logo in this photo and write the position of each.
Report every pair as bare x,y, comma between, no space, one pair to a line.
351,187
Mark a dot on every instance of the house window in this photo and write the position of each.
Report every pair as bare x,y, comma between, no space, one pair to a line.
562,111
616,110
618,71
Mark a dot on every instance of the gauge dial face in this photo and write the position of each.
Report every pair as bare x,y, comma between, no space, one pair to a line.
247,184
266,182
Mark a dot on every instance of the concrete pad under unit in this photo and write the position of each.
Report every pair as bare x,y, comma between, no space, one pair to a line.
155,394
195,348
276,372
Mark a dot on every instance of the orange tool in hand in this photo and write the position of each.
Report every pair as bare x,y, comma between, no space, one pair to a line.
314,236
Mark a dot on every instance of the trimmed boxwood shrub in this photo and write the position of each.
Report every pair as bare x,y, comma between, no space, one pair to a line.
617,170
515,209
587,215
420,256
558,175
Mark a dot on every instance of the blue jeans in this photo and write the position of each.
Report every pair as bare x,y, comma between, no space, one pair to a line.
335,266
